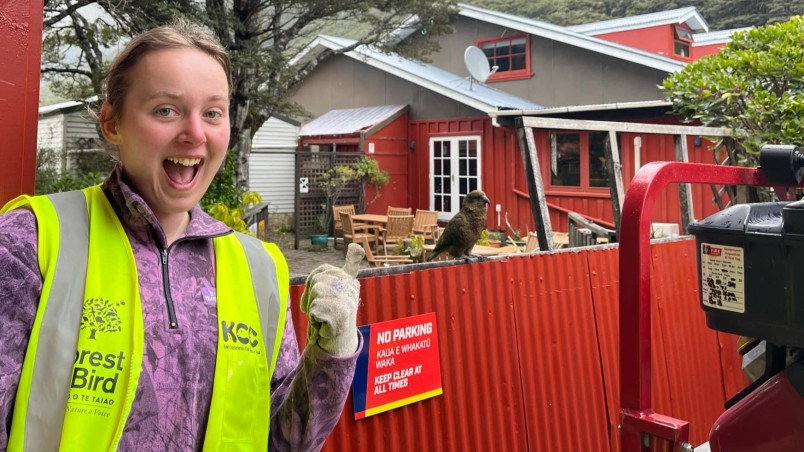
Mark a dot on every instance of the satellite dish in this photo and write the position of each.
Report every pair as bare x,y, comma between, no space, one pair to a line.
476,63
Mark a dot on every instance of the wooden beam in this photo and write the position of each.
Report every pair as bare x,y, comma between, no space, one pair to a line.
615,169
533,174
684,192
632,127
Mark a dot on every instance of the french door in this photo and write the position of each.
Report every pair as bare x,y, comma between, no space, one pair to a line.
454,172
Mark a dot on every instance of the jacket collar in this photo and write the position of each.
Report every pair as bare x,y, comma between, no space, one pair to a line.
135,214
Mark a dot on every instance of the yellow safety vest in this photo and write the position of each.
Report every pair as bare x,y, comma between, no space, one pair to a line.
79,378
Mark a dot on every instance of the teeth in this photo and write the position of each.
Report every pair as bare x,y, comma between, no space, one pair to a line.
185,162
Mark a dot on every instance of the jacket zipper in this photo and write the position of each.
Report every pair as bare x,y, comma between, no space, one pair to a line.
172,322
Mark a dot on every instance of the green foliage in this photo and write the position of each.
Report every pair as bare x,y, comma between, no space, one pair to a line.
365,170
755,84
484,238
224,201
92,168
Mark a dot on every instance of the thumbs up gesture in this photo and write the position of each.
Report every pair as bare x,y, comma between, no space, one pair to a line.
330,300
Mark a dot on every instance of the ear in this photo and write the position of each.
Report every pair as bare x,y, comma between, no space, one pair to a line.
108,124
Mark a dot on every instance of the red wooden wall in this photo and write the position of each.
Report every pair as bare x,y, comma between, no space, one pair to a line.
391,150
21,35
657,39
529,352
503,174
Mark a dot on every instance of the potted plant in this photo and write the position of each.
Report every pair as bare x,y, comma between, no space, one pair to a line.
337,179
320,239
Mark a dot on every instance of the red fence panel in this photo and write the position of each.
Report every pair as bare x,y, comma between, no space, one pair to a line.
529,352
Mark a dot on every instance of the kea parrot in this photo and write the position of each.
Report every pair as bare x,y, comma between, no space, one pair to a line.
464,228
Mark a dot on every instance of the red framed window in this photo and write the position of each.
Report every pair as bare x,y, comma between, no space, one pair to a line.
580,160
510,54
682,41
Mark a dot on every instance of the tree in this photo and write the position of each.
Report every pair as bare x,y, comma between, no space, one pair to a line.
755,84
261,36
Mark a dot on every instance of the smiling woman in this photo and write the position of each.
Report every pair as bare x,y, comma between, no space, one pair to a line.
159,325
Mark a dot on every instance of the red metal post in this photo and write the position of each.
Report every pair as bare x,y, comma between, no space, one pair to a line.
636,416
21,35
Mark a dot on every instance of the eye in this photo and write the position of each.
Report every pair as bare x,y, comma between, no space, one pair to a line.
213,114
165,111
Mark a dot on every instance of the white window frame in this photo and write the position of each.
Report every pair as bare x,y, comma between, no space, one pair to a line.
455,177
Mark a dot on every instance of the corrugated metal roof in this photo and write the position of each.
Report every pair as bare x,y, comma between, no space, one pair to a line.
349,120
573,38
688,15
715,37
453,86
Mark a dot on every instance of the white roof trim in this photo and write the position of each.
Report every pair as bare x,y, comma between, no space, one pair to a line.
567,36
715,37
688,15
583,108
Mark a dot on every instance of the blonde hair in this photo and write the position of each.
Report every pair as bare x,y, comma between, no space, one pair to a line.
180,33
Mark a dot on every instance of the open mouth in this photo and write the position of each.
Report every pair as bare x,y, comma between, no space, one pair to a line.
181,171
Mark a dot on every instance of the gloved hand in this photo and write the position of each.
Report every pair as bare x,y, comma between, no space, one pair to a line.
330,300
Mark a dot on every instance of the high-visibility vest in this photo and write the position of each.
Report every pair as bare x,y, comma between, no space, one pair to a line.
84,355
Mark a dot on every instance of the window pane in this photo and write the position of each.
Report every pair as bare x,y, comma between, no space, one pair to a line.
503,64
446,148
436,149
598,171
517,62
472,168
463,185
437,167
462,148
437,205
518,48
682,49
568,169
447,187
488,49
437,185
473,148
462,167
503,48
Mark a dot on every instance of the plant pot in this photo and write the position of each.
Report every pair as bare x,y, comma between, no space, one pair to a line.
319,240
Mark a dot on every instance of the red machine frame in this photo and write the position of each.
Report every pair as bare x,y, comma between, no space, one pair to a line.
636,415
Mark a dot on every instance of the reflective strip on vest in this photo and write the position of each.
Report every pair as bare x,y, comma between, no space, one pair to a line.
268,300
55,353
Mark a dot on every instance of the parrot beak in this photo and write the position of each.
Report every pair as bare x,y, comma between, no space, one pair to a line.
486,200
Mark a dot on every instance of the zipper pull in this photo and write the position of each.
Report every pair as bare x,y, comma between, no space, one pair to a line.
164,256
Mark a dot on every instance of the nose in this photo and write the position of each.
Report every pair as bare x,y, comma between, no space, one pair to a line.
193,132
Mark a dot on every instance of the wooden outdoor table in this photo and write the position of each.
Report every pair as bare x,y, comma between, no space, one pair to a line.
371,218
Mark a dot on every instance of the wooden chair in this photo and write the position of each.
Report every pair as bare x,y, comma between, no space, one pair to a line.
356,232
398,227
379,261
533,242
398,211
425,223
338,225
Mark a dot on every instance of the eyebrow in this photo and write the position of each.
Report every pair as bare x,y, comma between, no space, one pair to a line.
174,95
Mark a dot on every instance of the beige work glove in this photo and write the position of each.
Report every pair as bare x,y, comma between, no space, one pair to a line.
330,300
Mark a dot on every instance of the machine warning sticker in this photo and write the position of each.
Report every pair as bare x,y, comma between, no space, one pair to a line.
723,277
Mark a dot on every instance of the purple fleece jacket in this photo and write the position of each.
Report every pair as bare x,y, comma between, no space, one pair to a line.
175,388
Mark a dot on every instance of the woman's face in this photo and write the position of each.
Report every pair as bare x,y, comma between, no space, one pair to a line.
173,130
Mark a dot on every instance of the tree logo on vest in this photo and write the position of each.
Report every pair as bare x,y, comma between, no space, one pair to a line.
100,315
98,364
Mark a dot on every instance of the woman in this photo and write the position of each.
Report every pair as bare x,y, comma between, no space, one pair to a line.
160,329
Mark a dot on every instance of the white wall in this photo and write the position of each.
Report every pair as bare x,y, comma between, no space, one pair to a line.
272,166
